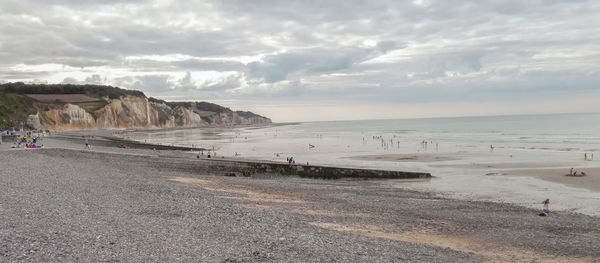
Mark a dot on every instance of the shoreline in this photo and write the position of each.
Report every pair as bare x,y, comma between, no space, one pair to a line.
110,133
239,166
198,127
538,171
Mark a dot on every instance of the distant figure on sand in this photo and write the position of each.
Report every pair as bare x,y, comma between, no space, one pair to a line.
589,157
491,148
87,144
545,210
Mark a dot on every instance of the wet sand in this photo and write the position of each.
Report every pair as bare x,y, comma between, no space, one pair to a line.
554,172
559,175
412,157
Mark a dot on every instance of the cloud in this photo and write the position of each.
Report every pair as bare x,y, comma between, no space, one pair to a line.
279,67
353,50
150,83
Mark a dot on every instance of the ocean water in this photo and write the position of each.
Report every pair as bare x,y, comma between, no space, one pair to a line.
457,151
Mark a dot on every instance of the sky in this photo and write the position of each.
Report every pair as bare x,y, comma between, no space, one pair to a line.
317,60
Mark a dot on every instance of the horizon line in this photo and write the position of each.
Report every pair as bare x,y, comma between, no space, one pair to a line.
445,117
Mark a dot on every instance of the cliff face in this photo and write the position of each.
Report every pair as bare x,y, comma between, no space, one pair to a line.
137,112
69,115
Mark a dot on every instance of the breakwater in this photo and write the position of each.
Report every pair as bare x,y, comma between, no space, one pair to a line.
8,138
249,168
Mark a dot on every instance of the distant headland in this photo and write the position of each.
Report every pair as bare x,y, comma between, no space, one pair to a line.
76,107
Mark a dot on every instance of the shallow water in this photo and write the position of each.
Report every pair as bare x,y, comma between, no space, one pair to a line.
545,140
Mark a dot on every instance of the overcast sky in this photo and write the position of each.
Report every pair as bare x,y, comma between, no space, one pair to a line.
317,59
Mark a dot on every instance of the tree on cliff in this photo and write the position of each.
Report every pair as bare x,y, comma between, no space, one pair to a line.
97,91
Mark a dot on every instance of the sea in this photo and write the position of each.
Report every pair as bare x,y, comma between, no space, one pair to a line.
469,157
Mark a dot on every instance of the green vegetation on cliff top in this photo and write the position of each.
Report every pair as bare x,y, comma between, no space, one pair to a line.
96,91
14,108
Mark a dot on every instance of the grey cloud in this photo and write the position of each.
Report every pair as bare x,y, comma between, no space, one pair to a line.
309,61
186,82
93,79
167,85
389,45
96,79
226,84
311,49
463,62
203,65
147,84
70,80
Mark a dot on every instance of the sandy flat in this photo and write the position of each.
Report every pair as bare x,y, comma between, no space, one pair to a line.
411,157
558,175
508,165
553,172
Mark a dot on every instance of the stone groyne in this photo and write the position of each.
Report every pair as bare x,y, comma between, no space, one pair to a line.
8,138
249,168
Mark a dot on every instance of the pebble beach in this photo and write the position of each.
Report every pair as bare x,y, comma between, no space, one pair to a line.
63,203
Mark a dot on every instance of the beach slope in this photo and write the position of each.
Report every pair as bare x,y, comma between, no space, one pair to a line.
73,205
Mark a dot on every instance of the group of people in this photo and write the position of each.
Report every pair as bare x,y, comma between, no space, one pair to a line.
426,143
588,157
574,172
208,154
291,160
27,142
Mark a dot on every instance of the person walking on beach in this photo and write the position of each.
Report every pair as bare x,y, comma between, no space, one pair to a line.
87,144
545,210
